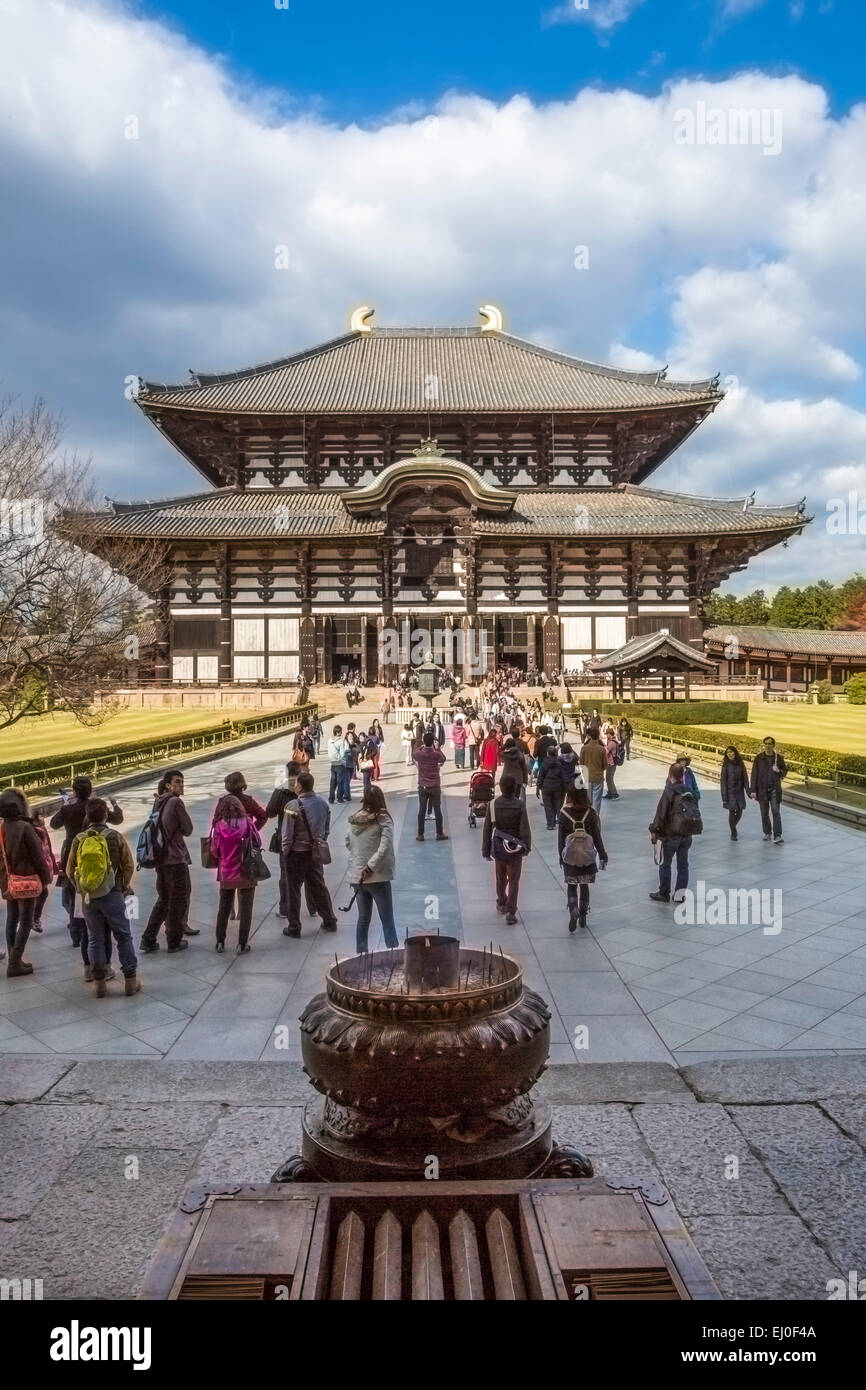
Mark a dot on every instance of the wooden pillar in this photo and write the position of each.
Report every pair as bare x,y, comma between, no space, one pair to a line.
686,684
226,671
631,687
162,663
364,649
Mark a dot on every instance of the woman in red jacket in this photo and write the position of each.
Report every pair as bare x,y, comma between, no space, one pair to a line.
236,785
231,832
488,753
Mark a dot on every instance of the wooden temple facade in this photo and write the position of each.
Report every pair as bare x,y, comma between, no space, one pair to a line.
447,480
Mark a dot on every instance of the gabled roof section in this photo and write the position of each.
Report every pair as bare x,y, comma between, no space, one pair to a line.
390,370
428,466
660,646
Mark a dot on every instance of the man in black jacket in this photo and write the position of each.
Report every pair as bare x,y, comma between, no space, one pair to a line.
508,814
280,798
674,845
550,786
765,784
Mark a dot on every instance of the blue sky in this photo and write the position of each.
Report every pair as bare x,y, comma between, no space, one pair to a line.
359,62
429,159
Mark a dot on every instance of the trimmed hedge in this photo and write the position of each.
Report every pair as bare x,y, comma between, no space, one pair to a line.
25,765
676,712
819,762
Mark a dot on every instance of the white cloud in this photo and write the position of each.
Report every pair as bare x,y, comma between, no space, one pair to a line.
632,359
603,15
755,323
157,254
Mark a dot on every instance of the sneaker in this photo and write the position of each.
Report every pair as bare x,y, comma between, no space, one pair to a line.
148,947
281,914
511,918
37,926
442,837
291,931
181,946
419,838
768,837
220,947
500,907
329,926
131,985
660,897
242,950
778,840
192,931
680,895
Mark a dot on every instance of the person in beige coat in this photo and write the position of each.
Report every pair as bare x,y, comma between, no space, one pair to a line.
370,843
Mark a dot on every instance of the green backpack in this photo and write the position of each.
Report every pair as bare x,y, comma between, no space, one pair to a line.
94,874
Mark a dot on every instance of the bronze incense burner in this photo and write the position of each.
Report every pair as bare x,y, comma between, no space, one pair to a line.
426,1056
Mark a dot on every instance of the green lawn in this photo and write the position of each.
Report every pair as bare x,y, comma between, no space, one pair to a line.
839,727
61,736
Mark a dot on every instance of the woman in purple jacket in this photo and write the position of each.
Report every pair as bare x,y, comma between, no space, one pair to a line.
230,834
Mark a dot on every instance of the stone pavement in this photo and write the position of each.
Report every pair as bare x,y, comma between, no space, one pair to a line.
639,984
765,1160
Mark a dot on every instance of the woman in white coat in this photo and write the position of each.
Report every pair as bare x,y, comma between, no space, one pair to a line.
370,843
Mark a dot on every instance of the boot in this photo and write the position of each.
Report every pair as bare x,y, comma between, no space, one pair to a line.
16,966
99,987
131,985
88,974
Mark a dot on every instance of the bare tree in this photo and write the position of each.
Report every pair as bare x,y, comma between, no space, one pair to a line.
68,618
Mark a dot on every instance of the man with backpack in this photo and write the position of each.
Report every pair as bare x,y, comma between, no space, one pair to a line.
101,867
506,839
162,846
70,819
676,820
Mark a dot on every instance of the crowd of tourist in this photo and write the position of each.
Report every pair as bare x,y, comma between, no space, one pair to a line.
506,743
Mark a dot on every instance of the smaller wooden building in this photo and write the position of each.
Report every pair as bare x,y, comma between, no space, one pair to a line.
657,654
785,658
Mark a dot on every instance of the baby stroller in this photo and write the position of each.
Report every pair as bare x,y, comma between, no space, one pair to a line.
481,789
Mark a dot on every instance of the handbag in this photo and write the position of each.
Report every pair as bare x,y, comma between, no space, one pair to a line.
321,848
503,846
20,887
254,866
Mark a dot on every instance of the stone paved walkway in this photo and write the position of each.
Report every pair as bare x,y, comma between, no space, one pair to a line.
780,1223
644,986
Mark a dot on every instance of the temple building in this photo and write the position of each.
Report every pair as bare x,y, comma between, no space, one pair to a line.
444,479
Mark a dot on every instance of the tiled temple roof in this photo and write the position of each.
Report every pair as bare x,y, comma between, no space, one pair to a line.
269,514
390,370
789,639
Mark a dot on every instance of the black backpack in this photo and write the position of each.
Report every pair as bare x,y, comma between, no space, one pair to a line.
685,818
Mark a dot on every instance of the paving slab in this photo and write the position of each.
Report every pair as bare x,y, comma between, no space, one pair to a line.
765,1258
31,1078
777,1080
231,1083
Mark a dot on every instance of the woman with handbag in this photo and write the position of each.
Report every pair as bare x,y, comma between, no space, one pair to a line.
367,761
370,843
24,874
231,833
